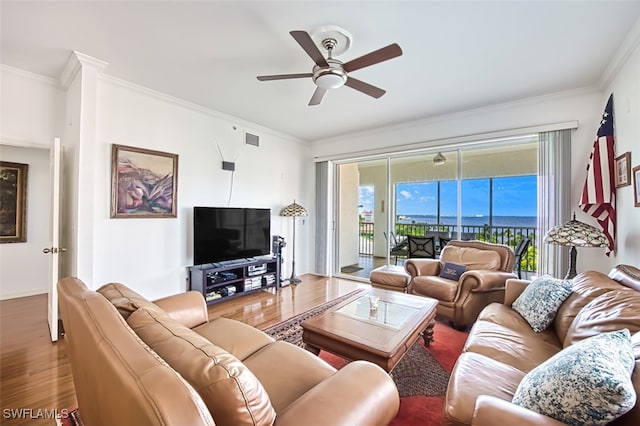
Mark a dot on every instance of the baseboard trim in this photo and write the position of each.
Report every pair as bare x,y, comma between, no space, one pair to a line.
17,295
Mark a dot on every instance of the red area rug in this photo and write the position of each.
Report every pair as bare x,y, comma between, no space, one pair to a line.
421,376
424,409
69,418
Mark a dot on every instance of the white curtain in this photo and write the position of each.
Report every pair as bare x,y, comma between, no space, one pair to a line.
323,218
554,198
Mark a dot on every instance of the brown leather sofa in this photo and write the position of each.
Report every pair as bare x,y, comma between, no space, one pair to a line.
489,266
502,348
164,363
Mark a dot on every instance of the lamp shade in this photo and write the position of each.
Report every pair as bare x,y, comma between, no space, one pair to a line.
293,210
577,234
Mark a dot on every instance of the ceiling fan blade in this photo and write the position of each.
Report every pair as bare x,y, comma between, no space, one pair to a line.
384,54
306,42
283,76
365,88
317,96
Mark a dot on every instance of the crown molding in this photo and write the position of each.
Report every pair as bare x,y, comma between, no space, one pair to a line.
621,56
21,143
30,75
75,63
246,126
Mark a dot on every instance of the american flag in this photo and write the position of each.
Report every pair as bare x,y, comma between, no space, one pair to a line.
599,192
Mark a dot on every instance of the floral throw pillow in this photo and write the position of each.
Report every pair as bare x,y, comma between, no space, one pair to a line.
587,383
540,301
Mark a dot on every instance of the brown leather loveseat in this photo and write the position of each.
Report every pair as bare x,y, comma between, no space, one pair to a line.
488,267
502,348
164,363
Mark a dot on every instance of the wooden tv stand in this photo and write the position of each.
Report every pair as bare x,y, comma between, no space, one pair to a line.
225,280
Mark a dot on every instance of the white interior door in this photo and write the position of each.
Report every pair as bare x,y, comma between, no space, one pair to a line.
55,250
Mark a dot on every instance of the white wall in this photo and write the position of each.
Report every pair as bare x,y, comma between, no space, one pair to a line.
32,108
626,103
151,255
24,269
31,111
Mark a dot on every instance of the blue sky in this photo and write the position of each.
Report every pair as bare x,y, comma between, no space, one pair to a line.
512,196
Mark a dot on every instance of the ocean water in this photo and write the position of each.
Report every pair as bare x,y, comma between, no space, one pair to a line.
510,221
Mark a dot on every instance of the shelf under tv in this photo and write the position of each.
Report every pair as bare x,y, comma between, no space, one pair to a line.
224,280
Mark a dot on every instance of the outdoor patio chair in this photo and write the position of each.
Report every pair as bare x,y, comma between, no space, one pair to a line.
421,247
520,252
444,242
397,246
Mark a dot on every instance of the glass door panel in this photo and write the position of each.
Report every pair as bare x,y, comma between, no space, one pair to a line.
425,195
361,238
499,194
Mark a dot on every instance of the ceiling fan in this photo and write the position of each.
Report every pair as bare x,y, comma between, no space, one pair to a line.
330,73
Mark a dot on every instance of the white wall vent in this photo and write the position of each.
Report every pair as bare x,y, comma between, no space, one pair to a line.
251,139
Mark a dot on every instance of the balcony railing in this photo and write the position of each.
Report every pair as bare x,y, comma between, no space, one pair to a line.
508,235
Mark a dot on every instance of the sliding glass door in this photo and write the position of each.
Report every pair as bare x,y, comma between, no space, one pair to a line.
485,191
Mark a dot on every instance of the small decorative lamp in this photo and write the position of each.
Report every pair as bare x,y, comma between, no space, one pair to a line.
439,159
293,210
575,234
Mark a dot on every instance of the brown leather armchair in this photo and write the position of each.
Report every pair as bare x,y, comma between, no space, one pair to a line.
488,266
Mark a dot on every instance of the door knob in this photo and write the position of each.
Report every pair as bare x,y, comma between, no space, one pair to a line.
47,250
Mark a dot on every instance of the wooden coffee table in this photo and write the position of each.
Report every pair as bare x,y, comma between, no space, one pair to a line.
354,331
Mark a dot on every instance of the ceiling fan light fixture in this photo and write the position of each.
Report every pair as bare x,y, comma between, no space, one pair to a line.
330,80
439,159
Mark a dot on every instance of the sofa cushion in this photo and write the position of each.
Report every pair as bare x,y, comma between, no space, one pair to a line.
503,335
586,383
611,311
232,393
237,338
438,288
586,287
475,375
473,258
124,299
540,300
287,381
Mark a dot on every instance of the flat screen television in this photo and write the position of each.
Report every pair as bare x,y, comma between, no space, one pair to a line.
229,233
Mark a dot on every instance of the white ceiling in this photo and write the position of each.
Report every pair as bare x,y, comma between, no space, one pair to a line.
457,55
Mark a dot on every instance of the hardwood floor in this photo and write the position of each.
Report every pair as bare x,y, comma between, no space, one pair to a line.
35,374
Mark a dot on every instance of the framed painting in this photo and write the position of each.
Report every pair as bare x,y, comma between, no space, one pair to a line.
623,170
636,186
13,202
144,183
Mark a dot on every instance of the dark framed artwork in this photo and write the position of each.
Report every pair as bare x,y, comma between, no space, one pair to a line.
144,183
636,186
623,170
13,202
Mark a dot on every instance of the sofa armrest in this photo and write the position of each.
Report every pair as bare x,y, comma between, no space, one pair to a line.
416,267
479,280
490,411
187,308
360,393
515,287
